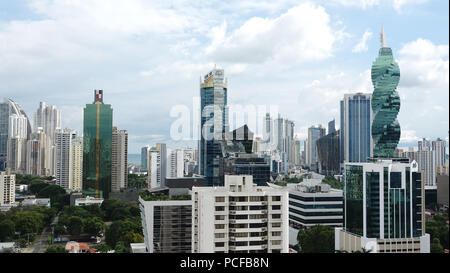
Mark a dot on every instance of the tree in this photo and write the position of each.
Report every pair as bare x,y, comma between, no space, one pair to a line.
56,249
120,213
75,226
7,230
135,211
317,239
28,222
36,186
94,226
60,230
109,205
103,248
334,183
114,233
132,237
122,247
436,246
93,210
22,242
438,228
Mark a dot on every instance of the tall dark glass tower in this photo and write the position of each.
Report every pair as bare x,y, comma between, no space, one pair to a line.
385,102
97,147
214,122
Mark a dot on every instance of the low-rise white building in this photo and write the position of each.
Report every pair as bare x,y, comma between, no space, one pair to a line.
240,218
313,203
43,202
138,248
88,201
21,188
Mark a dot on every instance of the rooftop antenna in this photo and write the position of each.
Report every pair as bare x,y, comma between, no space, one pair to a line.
383,37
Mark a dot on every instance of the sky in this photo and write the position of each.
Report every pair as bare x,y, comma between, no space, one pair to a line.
148,56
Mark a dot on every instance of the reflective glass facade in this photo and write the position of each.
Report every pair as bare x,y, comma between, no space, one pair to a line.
391,205
328,154
97,149
385,104
356,115
213,93
353,193
373,204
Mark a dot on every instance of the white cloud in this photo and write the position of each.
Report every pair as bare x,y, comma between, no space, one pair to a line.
362,45
363,4
398,5
301,34
127,17
408,136
439,108
422,63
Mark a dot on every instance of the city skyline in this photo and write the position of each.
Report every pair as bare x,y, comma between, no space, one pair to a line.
153,83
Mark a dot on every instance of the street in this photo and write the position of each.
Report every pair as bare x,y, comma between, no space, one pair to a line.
41,243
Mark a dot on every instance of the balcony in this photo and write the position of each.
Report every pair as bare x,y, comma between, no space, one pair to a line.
276,220
248,221
237,230
238,239
243,248
239,212
248,203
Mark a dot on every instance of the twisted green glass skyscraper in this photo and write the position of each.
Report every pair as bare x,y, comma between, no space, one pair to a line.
385,103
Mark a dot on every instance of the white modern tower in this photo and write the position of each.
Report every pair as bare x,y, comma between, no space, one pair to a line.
48,118
77,164
119,168
63,158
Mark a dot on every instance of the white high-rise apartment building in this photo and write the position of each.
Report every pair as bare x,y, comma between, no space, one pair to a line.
48,118
439,152
239,218
176,163
424,145
18,126
16,154
154,168
13,123
157,165
63,158
38,154
7,188
77,164
119,167
425,160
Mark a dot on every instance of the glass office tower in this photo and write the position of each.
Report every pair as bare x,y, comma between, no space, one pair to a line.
385,102
355,133
214,122
97,147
